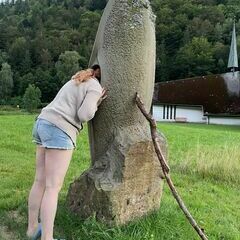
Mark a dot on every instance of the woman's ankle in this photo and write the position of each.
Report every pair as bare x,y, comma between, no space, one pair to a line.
32,229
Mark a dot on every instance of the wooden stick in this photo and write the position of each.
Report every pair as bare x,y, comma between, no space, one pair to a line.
166,168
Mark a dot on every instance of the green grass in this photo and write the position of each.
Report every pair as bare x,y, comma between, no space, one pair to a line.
210,151
10,110
204,162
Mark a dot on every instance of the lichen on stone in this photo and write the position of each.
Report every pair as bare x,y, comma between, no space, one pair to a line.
140,3
137,19
137,9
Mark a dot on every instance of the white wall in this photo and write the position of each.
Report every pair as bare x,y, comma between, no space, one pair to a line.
158,114
192,114
225,120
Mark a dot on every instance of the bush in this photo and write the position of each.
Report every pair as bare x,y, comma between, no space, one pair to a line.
42,105
31,98
16,102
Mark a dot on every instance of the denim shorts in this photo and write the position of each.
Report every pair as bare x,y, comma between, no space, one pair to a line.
49,135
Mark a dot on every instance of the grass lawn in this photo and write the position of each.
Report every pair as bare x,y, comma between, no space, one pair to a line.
205,165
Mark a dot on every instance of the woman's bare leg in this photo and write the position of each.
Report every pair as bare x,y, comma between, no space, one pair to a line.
37,191
56,165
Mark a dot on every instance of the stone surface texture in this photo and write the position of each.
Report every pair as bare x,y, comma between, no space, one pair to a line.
124,181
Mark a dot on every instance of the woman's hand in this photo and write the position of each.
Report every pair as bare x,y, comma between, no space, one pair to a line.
104,96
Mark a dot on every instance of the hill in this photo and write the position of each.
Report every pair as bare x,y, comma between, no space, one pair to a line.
44,42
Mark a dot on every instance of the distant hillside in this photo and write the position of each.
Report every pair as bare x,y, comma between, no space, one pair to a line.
193,38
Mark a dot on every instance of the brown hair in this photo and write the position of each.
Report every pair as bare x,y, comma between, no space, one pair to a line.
82,76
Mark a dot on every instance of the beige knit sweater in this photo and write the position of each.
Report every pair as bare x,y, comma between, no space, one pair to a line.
73,105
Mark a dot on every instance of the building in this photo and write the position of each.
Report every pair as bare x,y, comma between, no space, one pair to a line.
212,99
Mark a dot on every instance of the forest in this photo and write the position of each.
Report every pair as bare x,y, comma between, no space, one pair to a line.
42,43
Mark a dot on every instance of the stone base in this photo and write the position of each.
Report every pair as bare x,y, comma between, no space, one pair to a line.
115,202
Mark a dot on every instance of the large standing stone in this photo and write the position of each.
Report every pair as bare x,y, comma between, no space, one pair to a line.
124,180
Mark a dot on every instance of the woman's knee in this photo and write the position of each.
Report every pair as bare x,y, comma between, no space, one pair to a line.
54,185
40,182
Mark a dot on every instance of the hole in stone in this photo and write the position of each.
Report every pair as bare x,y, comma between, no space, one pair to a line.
128,201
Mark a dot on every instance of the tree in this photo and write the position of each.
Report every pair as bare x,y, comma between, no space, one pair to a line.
58,44
17,50
87,34
33,34
196,57
162,67
67,65
24,82
96,4
200,28
3,57
6,82
220,53
26,62
21,6
31,98
47,84
46,58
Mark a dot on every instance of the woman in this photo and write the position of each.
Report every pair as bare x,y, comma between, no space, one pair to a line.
55,132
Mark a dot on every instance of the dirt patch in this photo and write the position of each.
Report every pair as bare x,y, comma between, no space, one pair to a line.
5,234
11,233
16,216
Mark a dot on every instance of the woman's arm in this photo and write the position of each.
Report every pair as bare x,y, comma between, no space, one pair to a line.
89,106
94,96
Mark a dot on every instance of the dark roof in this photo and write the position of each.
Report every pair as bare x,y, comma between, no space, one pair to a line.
216,93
